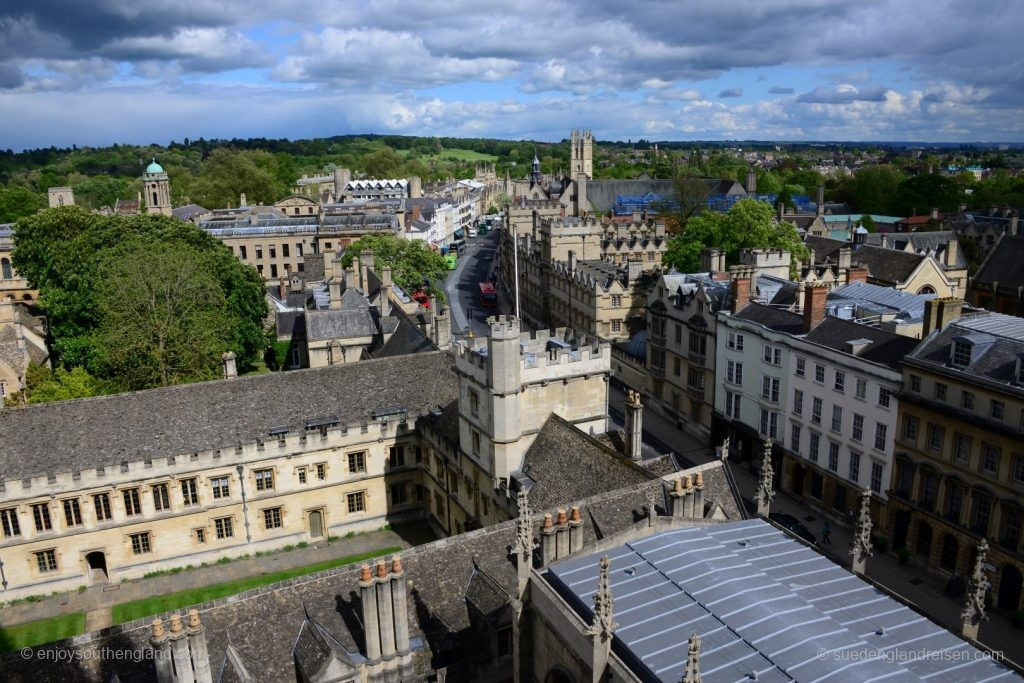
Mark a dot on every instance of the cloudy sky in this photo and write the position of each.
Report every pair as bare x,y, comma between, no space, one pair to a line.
94,72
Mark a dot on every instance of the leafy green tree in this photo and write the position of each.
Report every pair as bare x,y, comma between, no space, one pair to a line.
414,265
163,316
924,192
384,163
768,183
226,174
749,224
99,191
16,202
60,251
62,385
871,189
691,197
868,222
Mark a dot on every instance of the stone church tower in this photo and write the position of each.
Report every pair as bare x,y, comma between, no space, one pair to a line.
158,189
581,154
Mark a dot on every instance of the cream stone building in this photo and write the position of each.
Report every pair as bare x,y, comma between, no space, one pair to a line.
585,273
13,287
118,486
959,449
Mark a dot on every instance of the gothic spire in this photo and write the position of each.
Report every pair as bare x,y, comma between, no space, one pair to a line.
974,609
692,672
860,545
765,492
603,623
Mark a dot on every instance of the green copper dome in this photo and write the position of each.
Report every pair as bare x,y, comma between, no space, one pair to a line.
154,168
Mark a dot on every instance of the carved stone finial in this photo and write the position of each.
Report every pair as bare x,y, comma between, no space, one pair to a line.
692,672
725,448
524,535
603,624
158,628
765,493
974,609
860,545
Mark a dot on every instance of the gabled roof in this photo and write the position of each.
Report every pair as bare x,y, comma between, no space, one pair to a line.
344,324
1003,265
567,465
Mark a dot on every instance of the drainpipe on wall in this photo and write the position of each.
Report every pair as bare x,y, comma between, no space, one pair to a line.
245,504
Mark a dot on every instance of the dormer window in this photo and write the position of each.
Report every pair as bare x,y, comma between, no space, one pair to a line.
961,354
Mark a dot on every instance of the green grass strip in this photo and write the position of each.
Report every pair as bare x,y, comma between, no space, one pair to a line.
129,611
42,631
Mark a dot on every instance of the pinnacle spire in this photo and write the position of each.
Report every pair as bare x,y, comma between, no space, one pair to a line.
765,492
860,545
692,672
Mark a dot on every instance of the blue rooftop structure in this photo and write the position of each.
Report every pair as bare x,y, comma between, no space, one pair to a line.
766,608
154,168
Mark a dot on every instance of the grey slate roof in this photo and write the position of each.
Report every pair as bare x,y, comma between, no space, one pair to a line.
772,318
887,265
824,249
1000,342
1003,265
920,242
188,212
886,348
313,267
70,436
765,607
566,465
405,339
344,324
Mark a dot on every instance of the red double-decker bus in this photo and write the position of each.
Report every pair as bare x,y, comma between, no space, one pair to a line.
488,297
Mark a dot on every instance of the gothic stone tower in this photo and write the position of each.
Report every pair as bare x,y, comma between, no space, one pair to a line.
581,154
158,189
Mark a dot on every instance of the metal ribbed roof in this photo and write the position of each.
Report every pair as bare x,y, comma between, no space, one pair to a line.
766,608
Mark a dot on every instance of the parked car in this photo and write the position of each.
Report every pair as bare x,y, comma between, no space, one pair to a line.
793,524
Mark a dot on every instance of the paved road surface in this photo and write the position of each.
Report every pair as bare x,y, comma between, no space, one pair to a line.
463,286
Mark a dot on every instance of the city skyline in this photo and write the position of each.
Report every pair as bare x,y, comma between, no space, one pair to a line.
801,70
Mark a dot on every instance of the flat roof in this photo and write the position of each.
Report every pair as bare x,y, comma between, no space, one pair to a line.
766,608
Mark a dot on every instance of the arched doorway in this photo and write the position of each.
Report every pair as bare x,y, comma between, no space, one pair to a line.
924,539
1009,588
948,556
97,563
316,524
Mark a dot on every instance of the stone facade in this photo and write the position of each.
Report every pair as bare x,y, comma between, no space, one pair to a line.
959,464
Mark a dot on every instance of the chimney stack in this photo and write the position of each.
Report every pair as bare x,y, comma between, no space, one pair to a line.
949,257
751,181
371,627
335,289
845,254
282,289
857,274
562,536
572,261
196,633
227,360
547,540
814,305
821,200
575,529
940,312
384,298
740,287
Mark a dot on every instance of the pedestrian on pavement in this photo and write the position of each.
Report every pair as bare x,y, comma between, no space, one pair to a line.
826,534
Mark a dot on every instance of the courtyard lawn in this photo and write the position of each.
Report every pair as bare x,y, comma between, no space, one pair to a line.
43,631
137,609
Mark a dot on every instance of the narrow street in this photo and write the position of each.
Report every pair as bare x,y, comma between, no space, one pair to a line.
463,286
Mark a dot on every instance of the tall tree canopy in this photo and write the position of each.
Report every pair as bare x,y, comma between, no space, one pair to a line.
414,265
78,260
749,224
